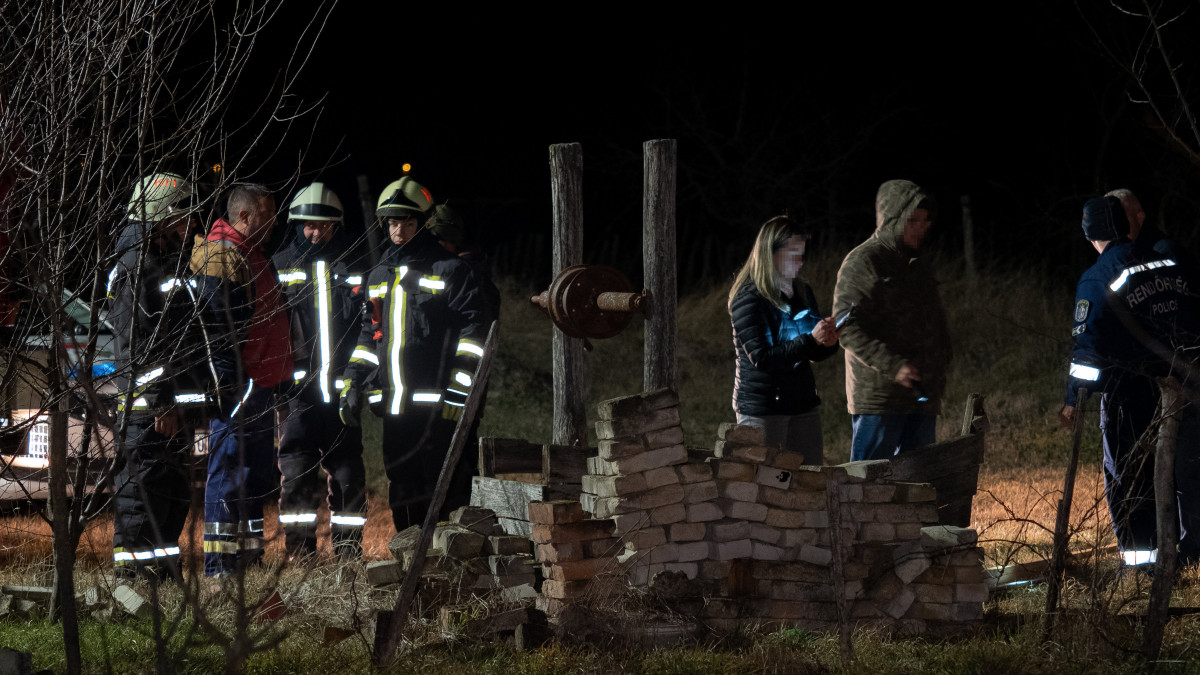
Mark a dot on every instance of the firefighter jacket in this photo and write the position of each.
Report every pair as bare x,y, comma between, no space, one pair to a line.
423,331
1133,315
160,357
322,287
244,317
898,315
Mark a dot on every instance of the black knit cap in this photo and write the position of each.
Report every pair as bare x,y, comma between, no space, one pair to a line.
1104,219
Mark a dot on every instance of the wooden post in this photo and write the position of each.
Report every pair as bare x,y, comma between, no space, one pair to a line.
566,189
1062,537
374,243
1167,511
968,239
834,480
658,254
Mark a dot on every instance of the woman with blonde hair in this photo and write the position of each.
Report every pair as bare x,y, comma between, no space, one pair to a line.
777,332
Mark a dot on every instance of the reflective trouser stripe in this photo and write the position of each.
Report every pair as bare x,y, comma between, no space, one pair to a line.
347,521
296,519
1082,372
127,556
220,546
1140,557
230,529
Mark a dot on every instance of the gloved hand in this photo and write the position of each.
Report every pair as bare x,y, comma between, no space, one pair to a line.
350,407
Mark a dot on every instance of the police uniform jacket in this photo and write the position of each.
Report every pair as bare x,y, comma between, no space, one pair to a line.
422,332
1132,314
160,357
774,347
322,288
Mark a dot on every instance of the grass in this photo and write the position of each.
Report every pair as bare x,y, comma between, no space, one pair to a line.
1010,337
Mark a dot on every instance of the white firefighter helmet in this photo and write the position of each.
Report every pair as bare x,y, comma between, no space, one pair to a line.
315,202
405,197
160,196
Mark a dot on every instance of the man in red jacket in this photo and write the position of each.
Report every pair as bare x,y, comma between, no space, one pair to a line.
246,327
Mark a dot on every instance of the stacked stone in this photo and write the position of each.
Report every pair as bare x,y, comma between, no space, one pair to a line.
469,553
578,555
948,582
635,480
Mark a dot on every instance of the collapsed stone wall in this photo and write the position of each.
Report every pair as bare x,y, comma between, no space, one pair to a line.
761,536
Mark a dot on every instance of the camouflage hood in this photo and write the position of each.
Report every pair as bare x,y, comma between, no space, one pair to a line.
894,203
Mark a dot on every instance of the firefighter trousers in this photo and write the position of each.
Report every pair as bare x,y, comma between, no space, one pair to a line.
151,498
414,448
313,438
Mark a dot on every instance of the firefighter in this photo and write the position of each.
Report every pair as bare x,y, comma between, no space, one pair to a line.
320,279
415,361
160,370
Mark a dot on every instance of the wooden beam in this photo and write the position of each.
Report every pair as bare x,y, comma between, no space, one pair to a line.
566,190
661,368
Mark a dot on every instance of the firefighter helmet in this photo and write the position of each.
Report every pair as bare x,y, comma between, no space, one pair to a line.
447,225
405,197
160,196
315,202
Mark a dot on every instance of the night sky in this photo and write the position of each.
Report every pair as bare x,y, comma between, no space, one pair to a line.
1017,106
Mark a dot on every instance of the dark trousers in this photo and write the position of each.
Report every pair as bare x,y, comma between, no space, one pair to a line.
151,499
414,448
314,437
241,461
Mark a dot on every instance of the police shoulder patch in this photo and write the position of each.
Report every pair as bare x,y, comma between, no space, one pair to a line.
1079,329
1081,310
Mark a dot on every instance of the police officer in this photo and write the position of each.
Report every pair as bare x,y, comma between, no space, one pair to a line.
420,344
320,276
1133,315
160,370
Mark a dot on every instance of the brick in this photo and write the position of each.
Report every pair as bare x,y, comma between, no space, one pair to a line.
731,550
649,499
602,548
520,593
669,514
737,433
589,502
907,531
660,477
784,518
630,522
554,553
405,540
871,469
581,531
850,493
969,575
932,611
899,513
579,569
506,544
687,532
556,512
598,466
793,537
752,454
458,542
651,459
641,573
694,493
768,552
739,491
612,486
791,571
690,569
664,553
610,449
637,404
772,477
694,472
914,492
133,603
744,510
735,471
878,493
969,611
971,592
795,500
383,572
897,605
596,588
969,558
693,551
646,538
714,569
909,560
765,534
636,425
815,555
809,479
877,532
508,565
790,461
935,593
947,536
855,570
663,438
729,530
477,519
704,512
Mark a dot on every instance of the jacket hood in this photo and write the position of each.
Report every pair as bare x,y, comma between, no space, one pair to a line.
894,203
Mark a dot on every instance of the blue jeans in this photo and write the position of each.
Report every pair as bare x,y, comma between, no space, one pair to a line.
885,436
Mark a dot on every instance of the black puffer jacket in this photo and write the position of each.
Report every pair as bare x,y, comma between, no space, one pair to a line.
774,349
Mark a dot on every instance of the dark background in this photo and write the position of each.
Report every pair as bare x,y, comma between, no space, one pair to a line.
1024,107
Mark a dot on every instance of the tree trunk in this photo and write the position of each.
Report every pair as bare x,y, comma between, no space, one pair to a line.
661,368
566,189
